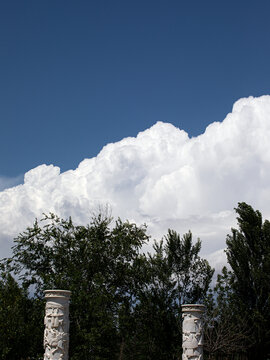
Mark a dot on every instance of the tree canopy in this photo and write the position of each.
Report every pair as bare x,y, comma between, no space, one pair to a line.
248,254
239,306
126,303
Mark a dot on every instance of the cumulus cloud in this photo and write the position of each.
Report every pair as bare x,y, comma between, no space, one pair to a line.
162,177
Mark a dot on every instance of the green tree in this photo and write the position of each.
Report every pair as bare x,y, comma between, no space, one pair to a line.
124,304
98,263
175,275
248,254
21,321
192,274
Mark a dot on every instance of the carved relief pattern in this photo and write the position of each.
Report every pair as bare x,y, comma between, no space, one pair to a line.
192,333
56,337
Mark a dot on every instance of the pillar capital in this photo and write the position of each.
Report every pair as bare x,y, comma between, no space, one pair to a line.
65,294
193,308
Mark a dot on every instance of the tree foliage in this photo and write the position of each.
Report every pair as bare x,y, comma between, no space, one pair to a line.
238,316
176,274
226,333
21,321
248,254
125,304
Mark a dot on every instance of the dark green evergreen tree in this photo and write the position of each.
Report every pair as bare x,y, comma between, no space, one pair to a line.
248,253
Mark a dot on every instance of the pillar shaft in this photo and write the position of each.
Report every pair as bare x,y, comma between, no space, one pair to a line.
192,331
56,336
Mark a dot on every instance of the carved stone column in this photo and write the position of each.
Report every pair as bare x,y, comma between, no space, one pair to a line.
56,337
192,331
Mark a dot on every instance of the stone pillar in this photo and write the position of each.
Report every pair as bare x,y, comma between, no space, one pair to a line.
56,337
192,329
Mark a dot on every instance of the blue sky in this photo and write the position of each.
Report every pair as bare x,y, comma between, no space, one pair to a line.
76,75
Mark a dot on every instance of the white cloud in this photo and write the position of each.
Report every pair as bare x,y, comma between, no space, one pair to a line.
161,177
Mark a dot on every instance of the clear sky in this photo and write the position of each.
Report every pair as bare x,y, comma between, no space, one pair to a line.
76,75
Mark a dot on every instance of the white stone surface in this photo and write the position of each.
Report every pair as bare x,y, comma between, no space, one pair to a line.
192,329
56,321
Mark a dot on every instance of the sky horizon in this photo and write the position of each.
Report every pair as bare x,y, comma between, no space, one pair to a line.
163,103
